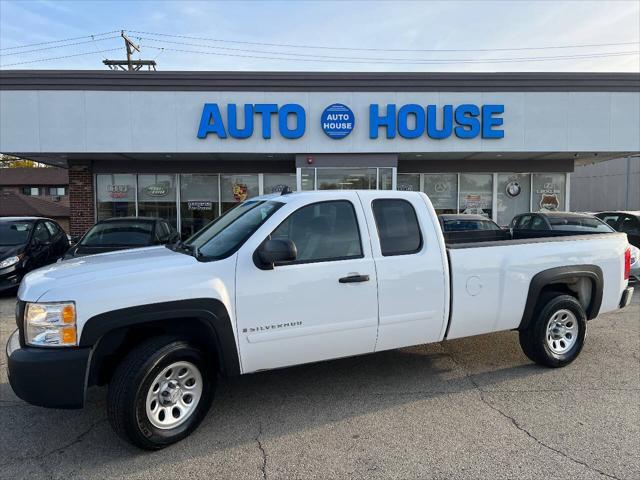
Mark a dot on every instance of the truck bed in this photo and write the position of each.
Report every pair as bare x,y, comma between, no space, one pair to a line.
490,279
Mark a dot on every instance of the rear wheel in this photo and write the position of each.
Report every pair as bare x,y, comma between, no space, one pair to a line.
160,392
556,334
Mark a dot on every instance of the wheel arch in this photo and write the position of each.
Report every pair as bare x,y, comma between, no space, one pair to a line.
112,334
585,282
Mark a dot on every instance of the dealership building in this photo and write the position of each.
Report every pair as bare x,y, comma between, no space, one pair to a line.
187,146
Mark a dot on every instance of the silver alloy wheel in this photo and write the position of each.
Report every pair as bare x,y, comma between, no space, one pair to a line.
562,331
173,395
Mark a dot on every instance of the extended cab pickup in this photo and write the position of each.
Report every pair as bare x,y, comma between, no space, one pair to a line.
290,279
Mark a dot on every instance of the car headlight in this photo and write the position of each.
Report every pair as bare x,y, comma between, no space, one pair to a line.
7,262
50,324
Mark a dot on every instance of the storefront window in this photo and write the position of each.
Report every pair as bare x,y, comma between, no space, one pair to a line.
408,182
386,178
308,177
198,202
347,178
442,189
275,182
157,197
115,195
548,192
476,194
514,196
237,188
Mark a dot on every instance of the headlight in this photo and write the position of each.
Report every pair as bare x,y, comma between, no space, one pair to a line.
7,262
50,324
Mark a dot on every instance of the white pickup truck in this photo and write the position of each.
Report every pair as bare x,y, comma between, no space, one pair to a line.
290,279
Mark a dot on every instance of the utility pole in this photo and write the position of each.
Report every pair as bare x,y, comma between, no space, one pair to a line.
130,64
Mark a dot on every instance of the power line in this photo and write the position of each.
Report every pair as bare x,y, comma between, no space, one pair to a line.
59,58
59,41
402,62
326,47
58,46
373,59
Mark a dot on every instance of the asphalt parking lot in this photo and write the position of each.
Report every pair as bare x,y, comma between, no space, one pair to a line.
466,409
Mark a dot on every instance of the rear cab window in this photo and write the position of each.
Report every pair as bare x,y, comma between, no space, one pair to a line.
398,228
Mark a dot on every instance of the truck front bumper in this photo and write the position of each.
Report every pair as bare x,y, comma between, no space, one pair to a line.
48,377
626,297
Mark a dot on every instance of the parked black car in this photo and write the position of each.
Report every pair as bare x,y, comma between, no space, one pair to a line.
27,243
121,233
626,222
460,228
547,224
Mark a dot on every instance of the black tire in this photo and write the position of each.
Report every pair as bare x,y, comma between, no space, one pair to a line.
126,398
533,340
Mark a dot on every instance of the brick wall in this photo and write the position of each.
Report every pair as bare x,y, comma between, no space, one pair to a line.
81,215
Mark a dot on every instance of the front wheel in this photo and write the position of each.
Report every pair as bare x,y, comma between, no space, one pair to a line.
557,332
160,392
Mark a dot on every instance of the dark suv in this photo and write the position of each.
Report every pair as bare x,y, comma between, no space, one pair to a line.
27,243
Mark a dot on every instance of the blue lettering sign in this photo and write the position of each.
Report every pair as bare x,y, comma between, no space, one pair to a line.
403,125
337,121
437,123
232,114
432,122
376,121
211,121
266,110
298,112
410,121
468,123
488,121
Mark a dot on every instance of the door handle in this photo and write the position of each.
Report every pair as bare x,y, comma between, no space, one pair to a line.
354,279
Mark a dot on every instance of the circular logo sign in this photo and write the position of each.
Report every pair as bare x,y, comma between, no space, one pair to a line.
513,189
337,121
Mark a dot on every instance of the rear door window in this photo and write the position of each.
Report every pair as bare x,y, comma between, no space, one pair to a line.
398,227
322,232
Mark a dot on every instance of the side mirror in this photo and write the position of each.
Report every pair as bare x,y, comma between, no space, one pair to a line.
276,251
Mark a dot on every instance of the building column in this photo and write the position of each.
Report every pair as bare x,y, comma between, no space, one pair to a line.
81,209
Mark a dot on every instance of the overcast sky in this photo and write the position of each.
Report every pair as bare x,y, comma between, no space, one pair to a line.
375,27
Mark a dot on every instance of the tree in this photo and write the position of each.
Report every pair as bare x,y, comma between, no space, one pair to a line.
9,161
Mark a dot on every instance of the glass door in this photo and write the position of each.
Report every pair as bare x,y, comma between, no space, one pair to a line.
346,178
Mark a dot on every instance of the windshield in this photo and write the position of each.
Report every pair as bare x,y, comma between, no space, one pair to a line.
119,234
14,233
467,225
580,224
225,235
